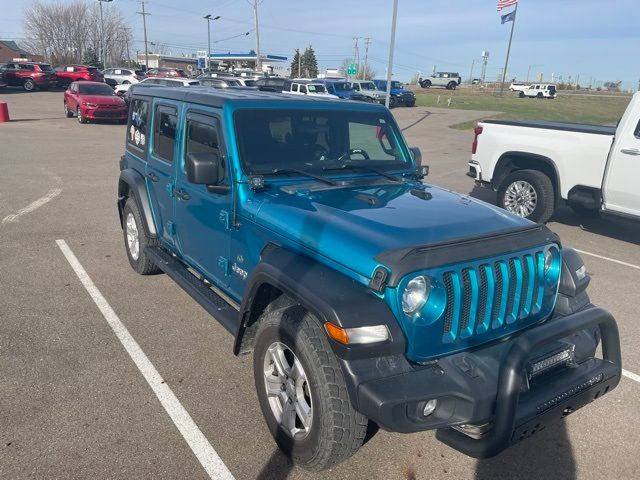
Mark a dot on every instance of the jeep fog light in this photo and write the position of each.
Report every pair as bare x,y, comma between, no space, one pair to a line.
415,294
357,335
429,407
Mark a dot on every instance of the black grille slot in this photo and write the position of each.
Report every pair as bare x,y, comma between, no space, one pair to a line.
466,299
498,295
448,313
536,283
482,297
512,286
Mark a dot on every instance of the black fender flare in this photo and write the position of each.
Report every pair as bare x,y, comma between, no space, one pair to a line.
526,156
330,295
131,183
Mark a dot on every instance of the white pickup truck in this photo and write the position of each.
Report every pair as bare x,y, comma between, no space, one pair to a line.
537,166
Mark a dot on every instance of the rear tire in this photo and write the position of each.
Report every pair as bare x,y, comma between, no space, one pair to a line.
426,84
521,94
292,338
540,95
136,240
452,85
81,119
528,194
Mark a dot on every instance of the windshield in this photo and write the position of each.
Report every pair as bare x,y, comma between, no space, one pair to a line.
250,83
270,139
342,86
368,86
315,88
95,89
46,68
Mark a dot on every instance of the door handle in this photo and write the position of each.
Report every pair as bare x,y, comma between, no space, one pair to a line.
182,195
631,151
153,177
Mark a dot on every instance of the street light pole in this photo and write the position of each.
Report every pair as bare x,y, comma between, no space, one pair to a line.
103,47
391,47
208,18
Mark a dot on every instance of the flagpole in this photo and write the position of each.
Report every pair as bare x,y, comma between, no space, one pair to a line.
504,72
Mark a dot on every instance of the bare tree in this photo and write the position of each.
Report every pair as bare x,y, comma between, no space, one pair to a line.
63,31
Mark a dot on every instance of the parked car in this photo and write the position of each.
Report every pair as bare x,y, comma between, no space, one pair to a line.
362,293
124,90
29,75
89,101
476,81
399,94
311,88
273,84
369,89
343,89
449,80
220,82
166,72
539,90
518,87
124,75
537,166
76,73
3,80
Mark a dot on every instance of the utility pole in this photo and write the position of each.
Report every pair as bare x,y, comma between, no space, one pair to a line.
255,20
208,18
355,54
103,46
144,26
506,62
391,47
299,64
366,57
473,62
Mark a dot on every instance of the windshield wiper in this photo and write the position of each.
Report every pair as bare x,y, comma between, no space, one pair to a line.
351,166
295,171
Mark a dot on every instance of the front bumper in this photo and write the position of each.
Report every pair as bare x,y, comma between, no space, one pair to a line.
485,386
93,113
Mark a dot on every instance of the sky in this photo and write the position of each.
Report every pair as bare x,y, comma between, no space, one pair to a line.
595,39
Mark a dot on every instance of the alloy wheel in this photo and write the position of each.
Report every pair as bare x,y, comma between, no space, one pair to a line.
133,240
520,198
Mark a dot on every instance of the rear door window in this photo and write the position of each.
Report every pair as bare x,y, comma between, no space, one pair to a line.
164,132
138,130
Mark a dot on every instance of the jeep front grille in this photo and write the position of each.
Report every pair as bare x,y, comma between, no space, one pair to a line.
492,295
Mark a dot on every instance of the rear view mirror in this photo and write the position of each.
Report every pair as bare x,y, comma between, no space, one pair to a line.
204,169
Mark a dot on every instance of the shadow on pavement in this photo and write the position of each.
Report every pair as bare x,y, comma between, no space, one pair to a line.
278,467
547,455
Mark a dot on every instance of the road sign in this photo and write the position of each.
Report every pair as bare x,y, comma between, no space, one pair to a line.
201,63
352,69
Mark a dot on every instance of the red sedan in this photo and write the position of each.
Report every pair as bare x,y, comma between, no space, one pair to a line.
93,101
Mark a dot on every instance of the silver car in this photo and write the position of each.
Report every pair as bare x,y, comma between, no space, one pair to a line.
124,76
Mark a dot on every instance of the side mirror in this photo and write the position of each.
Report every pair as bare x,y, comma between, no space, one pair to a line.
422,170
204,169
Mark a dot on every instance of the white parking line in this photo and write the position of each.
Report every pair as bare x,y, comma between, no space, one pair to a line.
196,440
631,375
619,262
53,193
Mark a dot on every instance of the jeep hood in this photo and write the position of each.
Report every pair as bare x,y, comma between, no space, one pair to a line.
353,225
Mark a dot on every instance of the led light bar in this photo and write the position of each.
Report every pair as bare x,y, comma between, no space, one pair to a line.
549,361
543,407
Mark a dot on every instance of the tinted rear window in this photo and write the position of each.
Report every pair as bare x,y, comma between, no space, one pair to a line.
46,68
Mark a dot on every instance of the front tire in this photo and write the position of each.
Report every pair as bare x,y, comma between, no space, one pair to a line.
426,84
29,85
452,85
136,240
528,194
302,392
81,119
521,94
67,113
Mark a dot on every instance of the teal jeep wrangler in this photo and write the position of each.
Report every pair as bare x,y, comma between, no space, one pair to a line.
365,295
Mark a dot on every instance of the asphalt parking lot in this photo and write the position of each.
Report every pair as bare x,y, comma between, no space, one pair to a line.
73,404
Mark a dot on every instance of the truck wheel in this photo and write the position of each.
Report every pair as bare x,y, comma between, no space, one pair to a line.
29,85
540,95
529,194
135,240
452,85
521,94
426,84
302,392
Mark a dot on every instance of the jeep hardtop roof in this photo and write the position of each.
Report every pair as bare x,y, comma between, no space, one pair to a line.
220,97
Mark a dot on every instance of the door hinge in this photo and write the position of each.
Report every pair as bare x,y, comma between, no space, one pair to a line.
171,228
224,219
170,188
224,265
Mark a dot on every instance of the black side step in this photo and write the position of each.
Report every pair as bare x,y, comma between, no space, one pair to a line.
213,303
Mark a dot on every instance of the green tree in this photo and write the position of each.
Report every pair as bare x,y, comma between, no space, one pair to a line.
309,63
295,65
90,57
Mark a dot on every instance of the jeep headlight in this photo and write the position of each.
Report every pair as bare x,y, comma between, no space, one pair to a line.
551,258
415,294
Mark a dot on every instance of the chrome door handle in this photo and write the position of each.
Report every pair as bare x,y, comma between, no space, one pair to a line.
631,151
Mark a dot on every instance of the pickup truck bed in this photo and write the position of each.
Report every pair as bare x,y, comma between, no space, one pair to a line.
562,126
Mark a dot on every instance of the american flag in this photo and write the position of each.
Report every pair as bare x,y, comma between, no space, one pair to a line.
506,3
